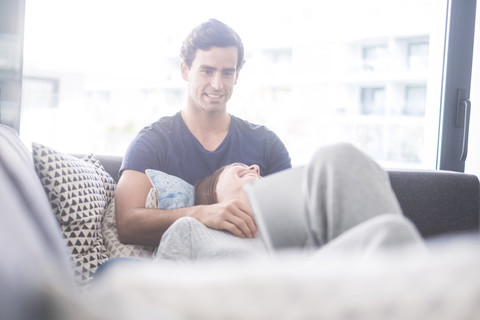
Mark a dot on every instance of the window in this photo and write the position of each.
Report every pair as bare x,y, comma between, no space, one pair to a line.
314,79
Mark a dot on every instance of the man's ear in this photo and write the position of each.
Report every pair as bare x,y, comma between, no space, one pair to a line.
185,70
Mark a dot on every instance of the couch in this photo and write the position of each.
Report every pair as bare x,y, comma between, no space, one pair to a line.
38,278
437,202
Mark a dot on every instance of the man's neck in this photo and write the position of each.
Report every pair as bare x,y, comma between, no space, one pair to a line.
210,129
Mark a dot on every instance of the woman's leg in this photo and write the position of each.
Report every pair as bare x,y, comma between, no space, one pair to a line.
343,188
373,237
188,239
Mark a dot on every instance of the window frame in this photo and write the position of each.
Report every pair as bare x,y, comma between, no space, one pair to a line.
457,74
12,17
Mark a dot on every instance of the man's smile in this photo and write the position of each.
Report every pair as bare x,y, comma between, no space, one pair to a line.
213,95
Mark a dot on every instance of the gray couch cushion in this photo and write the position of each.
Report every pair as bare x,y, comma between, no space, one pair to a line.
111,163
438,202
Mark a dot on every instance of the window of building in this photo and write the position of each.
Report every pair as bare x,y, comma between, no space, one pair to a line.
375,58
415,100
417,58
373,101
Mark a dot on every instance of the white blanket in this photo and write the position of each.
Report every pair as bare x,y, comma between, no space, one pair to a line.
443,284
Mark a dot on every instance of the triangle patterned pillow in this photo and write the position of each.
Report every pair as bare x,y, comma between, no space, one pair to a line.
79,191
115,248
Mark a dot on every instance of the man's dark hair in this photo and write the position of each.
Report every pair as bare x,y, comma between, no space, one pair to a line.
212,33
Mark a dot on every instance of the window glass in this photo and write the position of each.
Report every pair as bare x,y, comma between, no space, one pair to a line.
415,100
316,72
43,93
417,56
373,101
375,58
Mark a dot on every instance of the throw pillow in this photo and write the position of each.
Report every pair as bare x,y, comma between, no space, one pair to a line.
172,192
113,245
79,190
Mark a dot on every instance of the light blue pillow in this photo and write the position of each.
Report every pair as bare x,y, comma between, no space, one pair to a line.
172,191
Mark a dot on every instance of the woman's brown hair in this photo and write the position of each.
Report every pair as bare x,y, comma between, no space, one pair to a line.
205,189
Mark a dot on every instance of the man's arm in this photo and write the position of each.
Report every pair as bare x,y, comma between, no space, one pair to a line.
139,225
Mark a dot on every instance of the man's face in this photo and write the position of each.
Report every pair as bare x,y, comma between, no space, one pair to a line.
211,78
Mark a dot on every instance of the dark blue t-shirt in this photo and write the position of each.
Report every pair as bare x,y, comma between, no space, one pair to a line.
167,145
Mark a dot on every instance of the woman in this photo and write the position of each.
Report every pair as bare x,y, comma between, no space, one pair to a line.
350,207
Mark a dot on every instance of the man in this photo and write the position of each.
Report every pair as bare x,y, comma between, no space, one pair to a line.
195,142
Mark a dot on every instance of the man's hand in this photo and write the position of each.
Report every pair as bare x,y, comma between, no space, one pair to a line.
138,225
234,216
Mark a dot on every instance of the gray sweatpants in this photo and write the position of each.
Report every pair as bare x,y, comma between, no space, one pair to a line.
351,209
343,188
